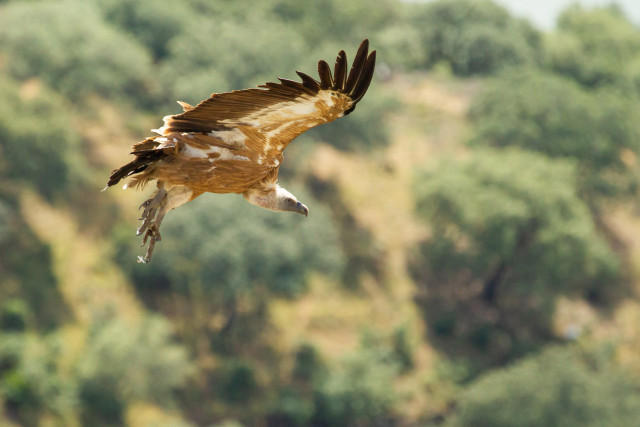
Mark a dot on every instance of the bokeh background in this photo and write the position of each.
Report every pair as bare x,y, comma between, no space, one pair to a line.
472,257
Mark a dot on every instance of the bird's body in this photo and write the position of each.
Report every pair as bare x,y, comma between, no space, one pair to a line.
233,142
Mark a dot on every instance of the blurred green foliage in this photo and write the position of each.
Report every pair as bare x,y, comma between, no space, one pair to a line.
29,297
544,112
122,362
560,386
595,47
129,362
223,248
153,23
69,46
237,383
354,390
364,256
37,143
222,57
31,382
15,315
474,37
358,391
509,233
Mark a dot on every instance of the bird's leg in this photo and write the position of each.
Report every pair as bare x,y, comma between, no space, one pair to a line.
154,210
150,208
153,233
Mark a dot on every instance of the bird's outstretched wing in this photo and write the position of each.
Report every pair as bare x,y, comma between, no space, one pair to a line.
278,112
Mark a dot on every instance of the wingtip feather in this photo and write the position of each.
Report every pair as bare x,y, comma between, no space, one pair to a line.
308,81
357,66
340,71
365,78
326,81
185,106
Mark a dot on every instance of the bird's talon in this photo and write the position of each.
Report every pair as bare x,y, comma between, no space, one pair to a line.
153,233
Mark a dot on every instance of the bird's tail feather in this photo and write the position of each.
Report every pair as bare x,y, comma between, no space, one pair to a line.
146,154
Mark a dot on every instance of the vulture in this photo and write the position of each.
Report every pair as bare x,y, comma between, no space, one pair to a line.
233,142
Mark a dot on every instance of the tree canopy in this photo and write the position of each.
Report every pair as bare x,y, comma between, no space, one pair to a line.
474,37
69,45
553,115
595,47
509,233
557,387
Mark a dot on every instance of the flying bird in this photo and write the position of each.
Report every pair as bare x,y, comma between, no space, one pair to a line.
233,142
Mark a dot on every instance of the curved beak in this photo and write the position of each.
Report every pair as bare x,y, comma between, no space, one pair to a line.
302,209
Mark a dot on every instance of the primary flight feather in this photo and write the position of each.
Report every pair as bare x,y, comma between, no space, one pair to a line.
233,142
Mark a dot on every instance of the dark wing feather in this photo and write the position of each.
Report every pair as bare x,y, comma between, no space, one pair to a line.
340,73
365,78
326,81
297,86
357,66
308,81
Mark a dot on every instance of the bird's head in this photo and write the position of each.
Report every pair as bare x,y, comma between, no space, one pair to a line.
292,205
278,199
287,202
